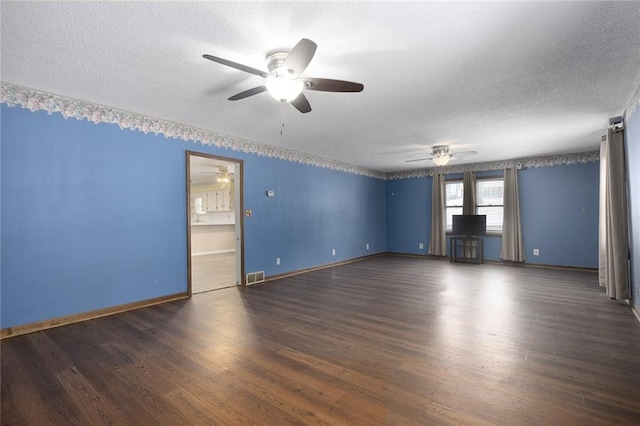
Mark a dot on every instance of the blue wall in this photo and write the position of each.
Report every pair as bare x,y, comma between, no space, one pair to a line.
559,213
314,210
632,145
409,215
93,216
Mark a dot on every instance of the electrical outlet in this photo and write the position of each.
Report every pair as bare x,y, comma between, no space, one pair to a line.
536,252
277,260
367,246
333,252
421,246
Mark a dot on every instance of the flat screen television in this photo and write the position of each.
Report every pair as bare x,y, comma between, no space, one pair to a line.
470,224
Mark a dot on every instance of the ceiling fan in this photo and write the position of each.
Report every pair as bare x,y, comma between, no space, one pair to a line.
284,80
440,155
218,174
223,177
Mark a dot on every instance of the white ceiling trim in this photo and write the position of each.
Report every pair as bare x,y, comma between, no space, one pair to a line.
35,100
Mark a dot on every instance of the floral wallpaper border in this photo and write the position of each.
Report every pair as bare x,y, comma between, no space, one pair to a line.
13,95
546,161
35,100
634,102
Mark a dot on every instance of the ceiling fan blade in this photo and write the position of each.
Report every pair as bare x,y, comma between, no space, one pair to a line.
236,65
419,159
300,56
461,153
329,85
301,103
247,93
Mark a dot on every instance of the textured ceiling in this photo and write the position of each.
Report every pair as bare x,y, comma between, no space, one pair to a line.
508,80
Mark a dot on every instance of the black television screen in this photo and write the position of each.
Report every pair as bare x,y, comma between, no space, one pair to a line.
470,224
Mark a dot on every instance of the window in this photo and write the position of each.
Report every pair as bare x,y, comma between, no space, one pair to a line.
490,201
453,201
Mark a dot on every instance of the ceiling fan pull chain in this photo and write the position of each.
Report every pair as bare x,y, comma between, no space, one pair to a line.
282,113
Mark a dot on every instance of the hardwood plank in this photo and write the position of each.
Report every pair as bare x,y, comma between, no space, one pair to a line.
96,407
386,340
19,393
35,388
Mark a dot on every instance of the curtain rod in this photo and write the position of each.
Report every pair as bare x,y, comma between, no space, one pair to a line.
616,124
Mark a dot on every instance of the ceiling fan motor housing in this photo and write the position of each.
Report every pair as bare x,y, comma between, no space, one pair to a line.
275,64
439,150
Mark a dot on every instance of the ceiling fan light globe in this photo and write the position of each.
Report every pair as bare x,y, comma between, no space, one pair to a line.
441,160
284,88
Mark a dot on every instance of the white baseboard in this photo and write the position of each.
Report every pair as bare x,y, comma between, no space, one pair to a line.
202,253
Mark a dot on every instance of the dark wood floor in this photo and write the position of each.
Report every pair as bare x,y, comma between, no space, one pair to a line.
389,340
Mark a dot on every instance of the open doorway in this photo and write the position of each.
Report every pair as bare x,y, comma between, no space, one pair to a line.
214,222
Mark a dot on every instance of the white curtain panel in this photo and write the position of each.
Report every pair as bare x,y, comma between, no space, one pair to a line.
616,225
602,216
438,239
512,246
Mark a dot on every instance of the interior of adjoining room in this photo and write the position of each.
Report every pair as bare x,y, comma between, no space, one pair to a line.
214,223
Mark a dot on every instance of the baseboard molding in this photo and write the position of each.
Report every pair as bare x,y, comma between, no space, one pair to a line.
202,253
634,309
317,268
85,316
420,256
541,266
500,262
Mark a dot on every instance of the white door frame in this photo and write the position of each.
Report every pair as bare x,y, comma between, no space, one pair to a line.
239,209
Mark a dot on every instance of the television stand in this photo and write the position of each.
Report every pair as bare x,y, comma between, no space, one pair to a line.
460,244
